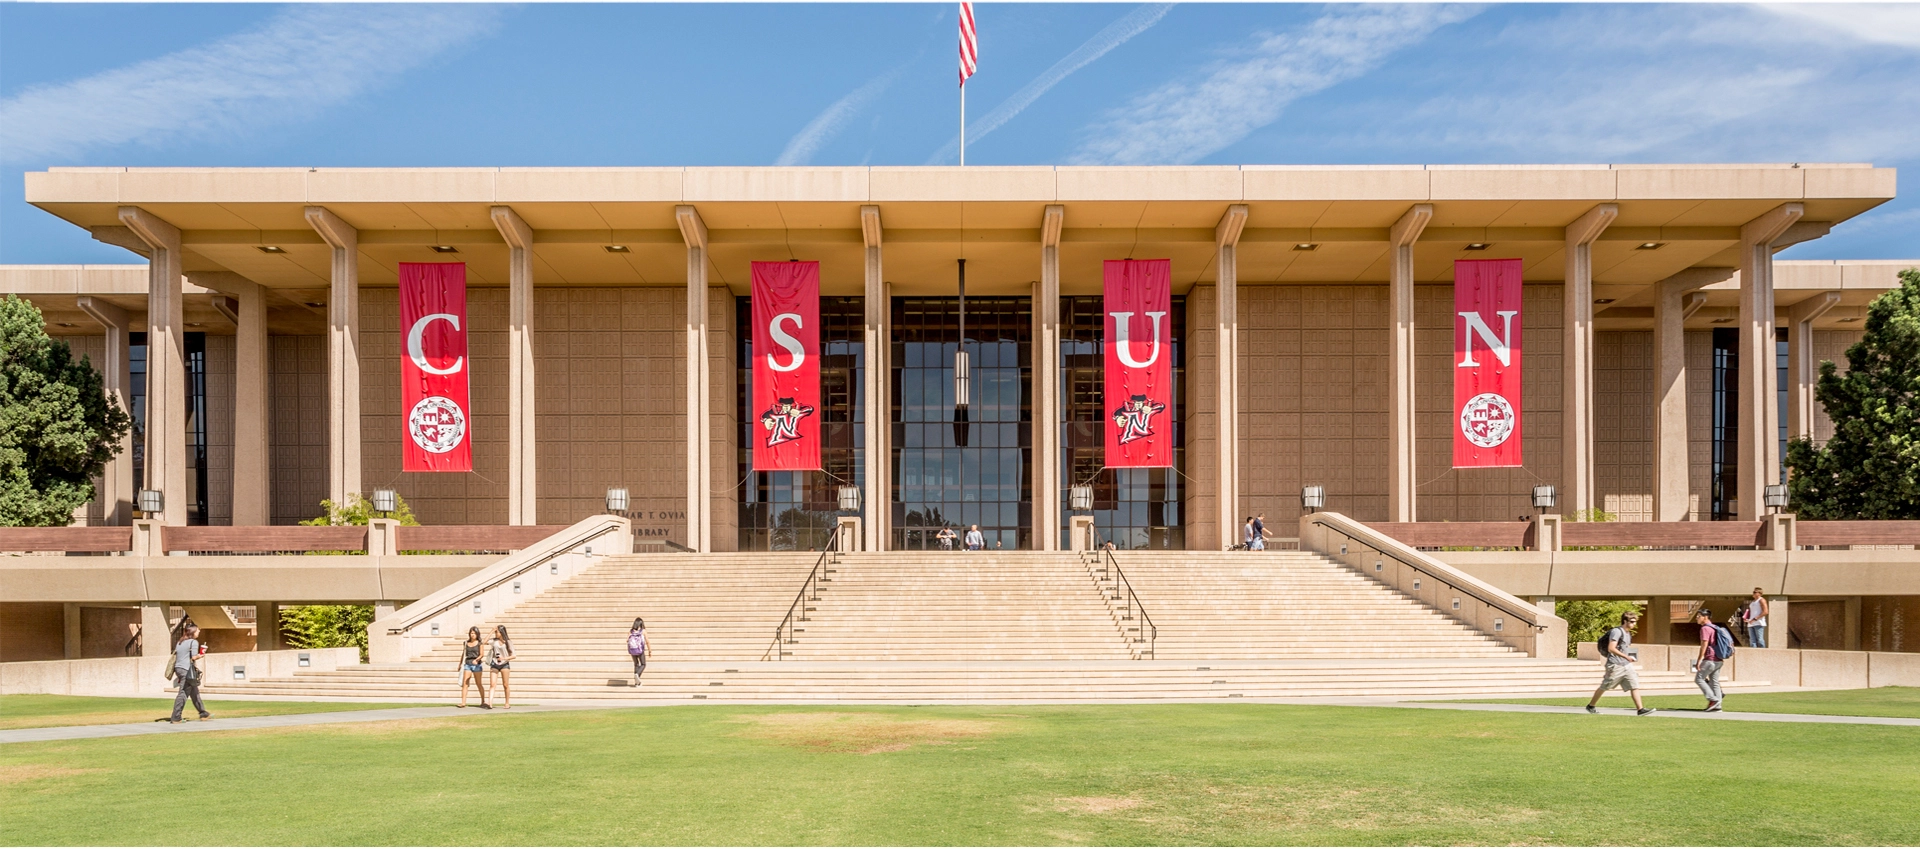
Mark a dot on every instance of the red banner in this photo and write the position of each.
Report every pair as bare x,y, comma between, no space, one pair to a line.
786,365
1486,363
434,368
1139,362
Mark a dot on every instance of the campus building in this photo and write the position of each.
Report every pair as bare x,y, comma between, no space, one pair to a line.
1668,354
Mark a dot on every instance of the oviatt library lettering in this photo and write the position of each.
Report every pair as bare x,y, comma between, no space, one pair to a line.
1152,353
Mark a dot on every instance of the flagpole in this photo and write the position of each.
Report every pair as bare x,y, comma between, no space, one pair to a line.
963,123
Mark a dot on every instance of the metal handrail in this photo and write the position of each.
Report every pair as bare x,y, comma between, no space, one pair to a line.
1526,613
783,633
1152,632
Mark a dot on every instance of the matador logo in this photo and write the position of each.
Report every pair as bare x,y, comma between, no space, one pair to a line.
1135,418
782,421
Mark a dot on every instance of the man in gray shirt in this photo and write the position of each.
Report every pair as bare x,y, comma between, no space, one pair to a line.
186,676
1616,646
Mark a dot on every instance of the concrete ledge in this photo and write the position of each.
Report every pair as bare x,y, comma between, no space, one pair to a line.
289,579
1693,573
1794,668
145,676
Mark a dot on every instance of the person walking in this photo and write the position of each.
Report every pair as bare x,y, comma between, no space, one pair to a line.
499,661
1258,541
1716,646
975,540
1754,616
637,647
186,673
946,537
1246,534
470,668
1616,646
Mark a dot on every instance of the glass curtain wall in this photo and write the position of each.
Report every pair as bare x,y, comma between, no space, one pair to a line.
194,346
796,511
1726,417
949,474
1133,508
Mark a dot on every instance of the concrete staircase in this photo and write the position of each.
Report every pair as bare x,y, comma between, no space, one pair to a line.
990,627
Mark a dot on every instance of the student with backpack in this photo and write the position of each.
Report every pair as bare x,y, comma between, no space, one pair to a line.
637,648
1616,646
1716,646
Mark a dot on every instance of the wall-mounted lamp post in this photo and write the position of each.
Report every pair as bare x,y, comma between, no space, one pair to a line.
1776,497
1543,497
151,502
1081,498
1313,497
617,501
849,499
385,501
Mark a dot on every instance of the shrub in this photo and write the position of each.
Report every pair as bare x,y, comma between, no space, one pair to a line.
326,626
1587,620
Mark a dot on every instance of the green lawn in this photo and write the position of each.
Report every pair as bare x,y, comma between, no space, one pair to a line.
28,711
985,775
1865,702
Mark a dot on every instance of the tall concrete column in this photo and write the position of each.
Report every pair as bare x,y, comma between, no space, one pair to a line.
71,638
877,430
156,637
1801,368
1400,365
244,303
1673,302
1226,361
343,354
1576,388
166,427
699,460
1759,385
116,478
1047,487
522,492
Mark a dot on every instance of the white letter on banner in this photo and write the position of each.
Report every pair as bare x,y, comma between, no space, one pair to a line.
1497,345
786,341
1121,333
414,340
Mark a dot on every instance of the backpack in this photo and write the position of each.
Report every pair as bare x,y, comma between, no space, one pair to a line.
636,643
1606,643
1722,643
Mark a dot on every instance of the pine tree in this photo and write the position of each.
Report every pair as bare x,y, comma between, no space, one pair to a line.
58,427
1871,467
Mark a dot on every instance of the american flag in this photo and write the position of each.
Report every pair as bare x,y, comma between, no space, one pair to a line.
969,44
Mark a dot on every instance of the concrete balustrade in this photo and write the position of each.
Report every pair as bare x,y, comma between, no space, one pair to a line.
1789,668
145,676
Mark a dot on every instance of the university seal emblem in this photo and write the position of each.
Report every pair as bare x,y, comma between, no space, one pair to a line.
1487,420
1135,418
782,421
436,424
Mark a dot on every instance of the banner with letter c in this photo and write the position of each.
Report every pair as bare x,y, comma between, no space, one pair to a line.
786,366
1486,363
434,368
1139,362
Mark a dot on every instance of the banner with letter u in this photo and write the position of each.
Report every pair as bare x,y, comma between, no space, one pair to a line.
1486,363
1139,361
434,368
786,366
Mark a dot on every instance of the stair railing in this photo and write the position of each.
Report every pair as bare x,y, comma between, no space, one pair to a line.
784,633
1130,601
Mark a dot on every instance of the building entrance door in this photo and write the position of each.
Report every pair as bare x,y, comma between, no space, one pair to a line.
955,469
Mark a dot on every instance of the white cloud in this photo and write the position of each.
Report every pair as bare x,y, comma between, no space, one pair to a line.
1186,120
1897,24
303,60
801,148
1113,35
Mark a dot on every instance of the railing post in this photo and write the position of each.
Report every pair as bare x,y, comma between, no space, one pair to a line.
1546,533
1781,536
146,538
383,537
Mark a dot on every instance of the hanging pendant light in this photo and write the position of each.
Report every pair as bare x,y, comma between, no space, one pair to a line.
962,371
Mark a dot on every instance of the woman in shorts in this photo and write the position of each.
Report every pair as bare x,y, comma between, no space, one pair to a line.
637,648
499,659
470,653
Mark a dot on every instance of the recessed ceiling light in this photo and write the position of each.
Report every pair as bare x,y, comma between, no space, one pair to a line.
1603,301
445,249
315,304
1849,319
1479,246
1650,246
617,249
1721,322
271,249
70,324
193,324
1305,246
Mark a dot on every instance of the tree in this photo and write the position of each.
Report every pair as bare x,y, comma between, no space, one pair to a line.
58,426
1871,467
1587,619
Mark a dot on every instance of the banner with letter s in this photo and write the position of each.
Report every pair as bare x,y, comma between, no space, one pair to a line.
434,368
1486,363
786,366
1139,362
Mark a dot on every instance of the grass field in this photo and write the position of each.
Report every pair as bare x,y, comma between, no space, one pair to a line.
1866,702
1227,774
32,711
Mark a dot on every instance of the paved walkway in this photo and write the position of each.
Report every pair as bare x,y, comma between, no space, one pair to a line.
120,730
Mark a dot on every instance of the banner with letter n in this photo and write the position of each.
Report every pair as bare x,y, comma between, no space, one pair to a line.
1486,363
434,368
786,366
1139,363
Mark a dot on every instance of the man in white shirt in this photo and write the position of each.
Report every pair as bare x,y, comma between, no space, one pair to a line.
1754,615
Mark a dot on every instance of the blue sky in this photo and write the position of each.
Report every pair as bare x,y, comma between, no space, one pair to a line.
735,84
